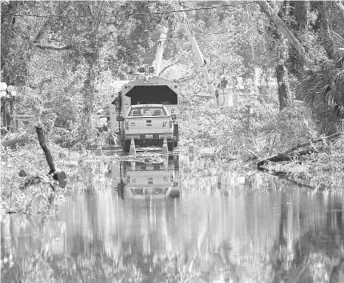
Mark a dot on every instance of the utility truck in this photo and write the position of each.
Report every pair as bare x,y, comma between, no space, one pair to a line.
148,94
150,89
147,91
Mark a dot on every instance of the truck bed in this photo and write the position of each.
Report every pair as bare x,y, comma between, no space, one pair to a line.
148,125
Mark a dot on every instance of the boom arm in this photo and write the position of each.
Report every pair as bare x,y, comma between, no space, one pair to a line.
160,50
196,50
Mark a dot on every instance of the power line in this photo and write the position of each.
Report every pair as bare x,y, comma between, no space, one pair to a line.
130,14
182,36
199,34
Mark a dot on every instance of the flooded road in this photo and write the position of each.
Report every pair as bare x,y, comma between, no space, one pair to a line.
179,220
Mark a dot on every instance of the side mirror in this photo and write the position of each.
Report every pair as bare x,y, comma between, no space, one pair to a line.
174,116
120,118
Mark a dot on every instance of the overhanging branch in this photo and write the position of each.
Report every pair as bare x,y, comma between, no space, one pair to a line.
168,66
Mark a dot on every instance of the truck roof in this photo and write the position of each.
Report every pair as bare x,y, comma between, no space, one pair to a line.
146,105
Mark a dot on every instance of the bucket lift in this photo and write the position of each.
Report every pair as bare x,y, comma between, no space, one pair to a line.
223,93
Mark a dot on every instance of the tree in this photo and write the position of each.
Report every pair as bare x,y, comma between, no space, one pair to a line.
56,52
321,83
15,48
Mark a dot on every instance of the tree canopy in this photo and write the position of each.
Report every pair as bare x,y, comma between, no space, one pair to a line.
67,54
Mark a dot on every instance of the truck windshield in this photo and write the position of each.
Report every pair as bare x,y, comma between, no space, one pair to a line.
147,111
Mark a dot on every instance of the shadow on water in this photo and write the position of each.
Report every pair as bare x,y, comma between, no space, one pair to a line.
176,219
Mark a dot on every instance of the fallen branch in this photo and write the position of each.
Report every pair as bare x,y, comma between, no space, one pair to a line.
54,172
286,156
55,48
45,149
312,141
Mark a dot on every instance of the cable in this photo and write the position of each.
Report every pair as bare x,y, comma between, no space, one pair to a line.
199,34
130,14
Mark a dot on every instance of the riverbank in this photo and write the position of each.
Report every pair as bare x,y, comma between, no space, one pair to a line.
27,189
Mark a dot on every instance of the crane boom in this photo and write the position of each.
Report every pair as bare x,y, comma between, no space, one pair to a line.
160,50
197,51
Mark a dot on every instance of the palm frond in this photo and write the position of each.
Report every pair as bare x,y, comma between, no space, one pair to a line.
323,88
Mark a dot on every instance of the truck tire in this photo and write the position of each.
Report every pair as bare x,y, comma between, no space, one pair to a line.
174,194
126,146
175,135
170,146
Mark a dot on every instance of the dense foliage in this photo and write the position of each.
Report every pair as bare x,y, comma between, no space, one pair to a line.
284,63
64,59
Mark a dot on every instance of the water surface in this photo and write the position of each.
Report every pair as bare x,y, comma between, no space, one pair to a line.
180,220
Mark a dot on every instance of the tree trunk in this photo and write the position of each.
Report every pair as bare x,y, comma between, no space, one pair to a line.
325,36
281,26
88,91
300,12
283,88
57,174
7,35
45,149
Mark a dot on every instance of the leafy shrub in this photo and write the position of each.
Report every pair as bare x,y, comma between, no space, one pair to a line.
18,197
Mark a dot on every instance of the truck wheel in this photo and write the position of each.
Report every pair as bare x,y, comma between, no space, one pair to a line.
174,194
126,146
170,146
175,135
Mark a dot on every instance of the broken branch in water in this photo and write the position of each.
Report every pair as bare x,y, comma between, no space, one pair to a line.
286,156
57,174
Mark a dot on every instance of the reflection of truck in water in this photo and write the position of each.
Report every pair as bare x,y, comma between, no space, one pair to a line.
143,180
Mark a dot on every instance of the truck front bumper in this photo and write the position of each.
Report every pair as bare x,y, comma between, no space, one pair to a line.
149,136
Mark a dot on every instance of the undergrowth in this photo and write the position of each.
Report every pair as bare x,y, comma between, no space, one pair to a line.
322,169
26,186
249,132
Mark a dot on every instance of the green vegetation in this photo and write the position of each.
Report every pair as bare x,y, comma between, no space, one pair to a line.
64,57
26,187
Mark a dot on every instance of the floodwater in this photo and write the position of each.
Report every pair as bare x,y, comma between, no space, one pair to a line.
179,220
